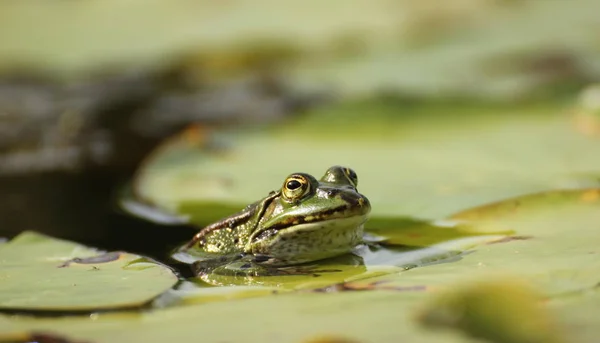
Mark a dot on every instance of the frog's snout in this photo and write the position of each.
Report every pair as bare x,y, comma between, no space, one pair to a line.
363,203
356,201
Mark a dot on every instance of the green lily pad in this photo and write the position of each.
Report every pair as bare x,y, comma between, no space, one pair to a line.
394,231
498,310
555,244
356,49
554,251
366,264
43,273
426,163
251,320
381,316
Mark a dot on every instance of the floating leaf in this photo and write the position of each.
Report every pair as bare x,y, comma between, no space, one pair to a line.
426,163
499,310
366,262
376,316
356,49
43,273
254,320
394,231
37,337
555,246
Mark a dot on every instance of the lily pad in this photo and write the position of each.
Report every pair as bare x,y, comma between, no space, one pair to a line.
555,254
367,263
43,273
356,49
395,231
498,310
555,246
423,161
255,320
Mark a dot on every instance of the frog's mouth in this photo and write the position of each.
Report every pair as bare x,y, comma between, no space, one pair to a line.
331,218
337,213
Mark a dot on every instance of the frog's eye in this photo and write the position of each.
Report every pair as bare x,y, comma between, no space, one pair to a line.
295,187
351,174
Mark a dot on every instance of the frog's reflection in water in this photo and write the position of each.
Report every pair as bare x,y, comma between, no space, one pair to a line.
365,262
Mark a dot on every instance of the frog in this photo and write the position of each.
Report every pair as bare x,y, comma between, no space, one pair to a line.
306,220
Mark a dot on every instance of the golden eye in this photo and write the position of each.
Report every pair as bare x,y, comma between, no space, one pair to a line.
295,187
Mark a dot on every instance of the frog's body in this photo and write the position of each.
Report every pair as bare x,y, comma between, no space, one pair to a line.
306,220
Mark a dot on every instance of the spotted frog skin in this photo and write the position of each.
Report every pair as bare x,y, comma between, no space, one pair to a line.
306,220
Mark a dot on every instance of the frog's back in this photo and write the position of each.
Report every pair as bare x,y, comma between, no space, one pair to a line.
230,234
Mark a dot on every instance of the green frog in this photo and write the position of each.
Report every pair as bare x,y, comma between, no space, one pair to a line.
305,221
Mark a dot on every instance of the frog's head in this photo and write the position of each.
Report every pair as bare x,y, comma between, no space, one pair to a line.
310,220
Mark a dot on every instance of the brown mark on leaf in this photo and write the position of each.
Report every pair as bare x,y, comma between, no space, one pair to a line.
103,258
41,337
377,285
510,239
196,134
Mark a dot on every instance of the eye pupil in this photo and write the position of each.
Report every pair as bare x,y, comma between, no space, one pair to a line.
293,184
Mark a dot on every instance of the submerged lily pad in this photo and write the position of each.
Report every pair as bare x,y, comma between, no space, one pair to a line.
43,273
